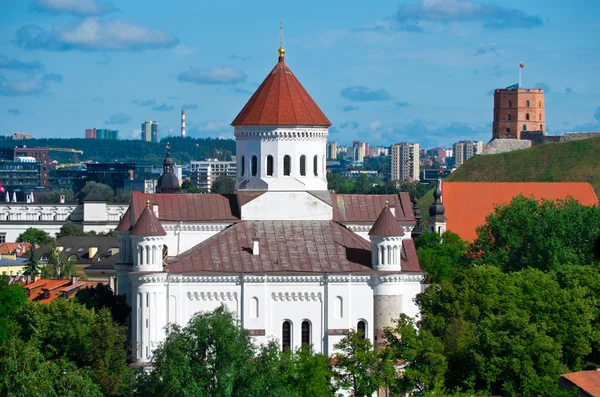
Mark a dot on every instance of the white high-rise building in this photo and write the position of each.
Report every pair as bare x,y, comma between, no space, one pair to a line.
204,173
464,150
405,159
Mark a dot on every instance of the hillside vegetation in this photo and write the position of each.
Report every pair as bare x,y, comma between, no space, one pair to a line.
574,161
133,151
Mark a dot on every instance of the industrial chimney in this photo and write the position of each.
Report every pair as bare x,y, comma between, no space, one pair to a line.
183,123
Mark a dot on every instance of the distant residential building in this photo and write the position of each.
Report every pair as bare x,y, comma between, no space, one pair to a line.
39,154
101,133
19,175
332,150
358,151
354,174
150,131
405,161
449,152
18,136
376,151
464,150
115,174
517,110
204,173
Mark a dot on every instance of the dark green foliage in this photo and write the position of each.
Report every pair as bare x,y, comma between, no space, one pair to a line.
374,185
70,229
512,334
443,256
12,297
53,197
34,236
65,331
188,187
32,264
100,297
543,235
223,185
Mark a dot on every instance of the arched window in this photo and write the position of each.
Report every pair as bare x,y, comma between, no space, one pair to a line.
303,165
140,255
527,116
254,164
286,335
339,307
165,254
243,166
524,127
509,117
541,128
389,255
382,255
287,160
148,255
395,256
269,165
540,117
305,333
316,165
510,104
255,312
527,104
361,328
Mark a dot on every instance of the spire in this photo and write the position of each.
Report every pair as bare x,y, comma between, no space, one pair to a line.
417,231
281,50
436,210
168,182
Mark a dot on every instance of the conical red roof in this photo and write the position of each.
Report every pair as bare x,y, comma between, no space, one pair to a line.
386,225
281,100
125,223
148,225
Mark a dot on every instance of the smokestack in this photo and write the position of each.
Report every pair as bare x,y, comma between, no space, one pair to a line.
183,123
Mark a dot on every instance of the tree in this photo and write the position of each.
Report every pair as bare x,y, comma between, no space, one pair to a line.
501,333
32,265
122,197
209,357
312,373
101,297
355,365
540,234
66,330
53,197
34,236
12,297
441,256
59,266
107,191
223,185
70,229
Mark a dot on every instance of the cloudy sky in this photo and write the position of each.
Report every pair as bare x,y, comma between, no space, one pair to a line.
382,71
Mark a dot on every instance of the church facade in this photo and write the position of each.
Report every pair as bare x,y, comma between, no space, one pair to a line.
292,260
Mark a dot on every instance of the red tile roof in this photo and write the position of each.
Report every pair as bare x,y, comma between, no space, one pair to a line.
125,223
468,203
148,225
281,100
188,207
285,247
386,225
365,208
45,290
18,248
586,381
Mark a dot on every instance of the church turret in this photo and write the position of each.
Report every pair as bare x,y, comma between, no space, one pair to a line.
147,242
168,181
437,220
386,242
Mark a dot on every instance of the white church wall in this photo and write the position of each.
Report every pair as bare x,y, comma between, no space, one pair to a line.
287,206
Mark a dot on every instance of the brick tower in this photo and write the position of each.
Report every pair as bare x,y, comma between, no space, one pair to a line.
516,110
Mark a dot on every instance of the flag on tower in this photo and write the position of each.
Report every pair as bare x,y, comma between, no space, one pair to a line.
521,65
1,189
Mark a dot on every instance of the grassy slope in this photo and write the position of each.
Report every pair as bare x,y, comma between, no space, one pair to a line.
572,161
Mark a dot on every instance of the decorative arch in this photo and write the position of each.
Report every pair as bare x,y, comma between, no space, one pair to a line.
316,165
361,328
269,165
303,165
306,333
286,335
339,307
243,166
254,165
287,165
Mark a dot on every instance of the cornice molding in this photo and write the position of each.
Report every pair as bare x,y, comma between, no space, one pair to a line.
212,296
296,297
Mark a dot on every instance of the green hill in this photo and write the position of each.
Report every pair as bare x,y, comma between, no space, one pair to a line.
574,161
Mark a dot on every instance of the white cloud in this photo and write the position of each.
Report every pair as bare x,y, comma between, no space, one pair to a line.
29,86
93,34
224,76
77,7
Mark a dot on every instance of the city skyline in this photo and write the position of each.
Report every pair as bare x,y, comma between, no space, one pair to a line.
418,71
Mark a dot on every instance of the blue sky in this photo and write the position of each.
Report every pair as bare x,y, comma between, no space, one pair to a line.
382,71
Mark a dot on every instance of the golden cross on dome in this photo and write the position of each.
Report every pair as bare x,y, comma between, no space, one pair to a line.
168,146
147,203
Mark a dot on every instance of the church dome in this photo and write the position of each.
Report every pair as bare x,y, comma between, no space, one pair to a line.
168,183
281,100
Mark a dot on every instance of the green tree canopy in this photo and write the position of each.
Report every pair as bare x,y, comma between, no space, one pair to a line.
540,234
12,297
441,256
100,297
34,236
107,191
70,229
32,264
223,185
356,364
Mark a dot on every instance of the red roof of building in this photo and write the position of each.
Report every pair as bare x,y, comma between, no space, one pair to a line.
365,208
281,100
15,248
284,247
188,207
467,204
386,225
587,381
147,224
45,290
125,223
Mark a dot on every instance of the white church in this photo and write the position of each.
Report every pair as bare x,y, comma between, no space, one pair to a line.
291,259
